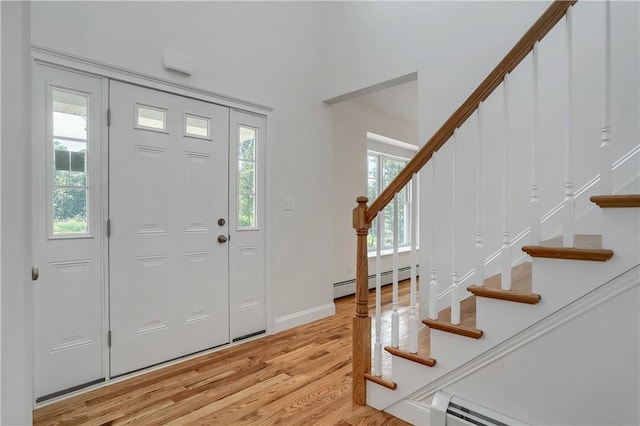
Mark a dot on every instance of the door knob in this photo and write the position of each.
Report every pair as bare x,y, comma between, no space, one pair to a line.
35,273
222,239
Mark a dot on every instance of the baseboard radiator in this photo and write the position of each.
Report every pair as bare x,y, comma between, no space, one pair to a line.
449,410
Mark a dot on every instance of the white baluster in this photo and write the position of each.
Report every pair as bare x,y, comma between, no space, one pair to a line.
479,249
606,156
377,350
506,243
433,283
569,204
413,320
395,319
455,284
535,189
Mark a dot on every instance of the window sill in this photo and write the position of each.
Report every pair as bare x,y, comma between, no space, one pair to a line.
389,252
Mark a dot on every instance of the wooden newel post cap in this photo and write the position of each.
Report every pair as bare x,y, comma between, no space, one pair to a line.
359,216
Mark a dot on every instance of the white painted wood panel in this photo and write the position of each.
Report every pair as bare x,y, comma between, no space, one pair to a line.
68,295
168,271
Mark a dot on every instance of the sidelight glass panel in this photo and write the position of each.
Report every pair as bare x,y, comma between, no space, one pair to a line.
246,211
247,185
246,177
69,179
70,211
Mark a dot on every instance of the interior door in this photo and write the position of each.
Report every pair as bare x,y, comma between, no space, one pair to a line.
168,210
68,230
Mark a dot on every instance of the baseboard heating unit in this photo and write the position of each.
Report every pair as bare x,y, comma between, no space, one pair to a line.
449,410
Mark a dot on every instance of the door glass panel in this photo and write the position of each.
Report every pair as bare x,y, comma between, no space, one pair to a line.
69,178
151,117
247,139
196,126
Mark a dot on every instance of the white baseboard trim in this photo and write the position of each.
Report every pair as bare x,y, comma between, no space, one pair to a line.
303,317
346,288
414,412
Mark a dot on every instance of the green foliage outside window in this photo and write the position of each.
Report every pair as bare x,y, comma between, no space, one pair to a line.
387,168
69,190
247,178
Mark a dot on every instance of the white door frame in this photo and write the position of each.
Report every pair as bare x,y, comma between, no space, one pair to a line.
73,63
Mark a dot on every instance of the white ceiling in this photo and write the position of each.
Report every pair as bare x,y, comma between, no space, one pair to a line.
400,101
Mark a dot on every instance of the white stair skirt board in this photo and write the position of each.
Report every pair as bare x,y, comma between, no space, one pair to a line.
583,314
445,374
303,317
451,350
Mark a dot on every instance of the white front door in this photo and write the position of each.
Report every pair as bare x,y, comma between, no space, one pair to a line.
168,210
68,230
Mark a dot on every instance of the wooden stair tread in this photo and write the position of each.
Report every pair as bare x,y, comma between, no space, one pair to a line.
619,200
520,286
586,247
389,384
424,337
415,357
467,326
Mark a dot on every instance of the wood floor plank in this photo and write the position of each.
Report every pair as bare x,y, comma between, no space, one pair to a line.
299,376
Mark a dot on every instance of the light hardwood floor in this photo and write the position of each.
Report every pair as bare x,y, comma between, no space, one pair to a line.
297,377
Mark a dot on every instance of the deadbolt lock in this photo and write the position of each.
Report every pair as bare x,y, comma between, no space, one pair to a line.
221,222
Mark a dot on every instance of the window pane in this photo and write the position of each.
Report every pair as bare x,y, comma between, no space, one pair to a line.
402,225
69,175
247,144
69,210
390,169
381,172
372,191
246,177
69,163
388,226
69,114
373,235
247,183
246,211
373,166
197,126
151,117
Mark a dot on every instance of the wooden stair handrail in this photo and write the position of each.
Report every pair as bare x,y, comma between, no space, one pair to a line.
538,30
363,215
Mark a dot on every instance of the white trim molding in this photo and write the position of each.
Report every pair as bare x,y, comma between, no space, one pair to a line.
303,317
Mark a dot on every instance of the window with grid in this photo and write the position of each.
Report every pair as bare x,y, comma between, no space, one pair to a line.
382,169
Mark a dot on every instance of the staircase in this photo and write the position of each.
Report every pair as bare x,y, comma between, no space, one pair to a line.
560,257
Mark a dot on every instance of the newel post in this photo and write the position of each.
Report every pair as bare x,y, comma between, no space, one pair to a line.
361,321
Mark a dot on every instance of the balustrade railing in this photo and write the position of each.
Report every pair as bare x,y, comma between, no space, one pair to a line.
475,104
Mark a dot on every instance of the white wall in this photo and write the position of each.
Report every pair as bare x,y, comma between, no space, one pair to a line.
16,377
452,45
265,53
352,121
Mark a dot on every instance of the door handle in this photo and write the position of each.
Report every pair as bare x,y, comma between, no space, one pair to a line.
222,239
35,273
